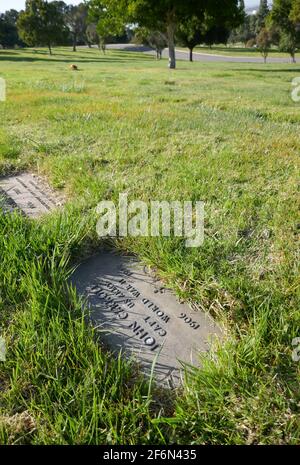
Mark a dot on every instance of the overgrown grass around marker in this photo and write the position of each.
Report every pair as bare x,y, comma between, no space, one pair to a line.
227,134
58,386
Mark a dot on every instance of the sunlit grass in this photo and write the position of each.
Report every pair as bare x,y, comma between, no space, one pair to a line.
227,134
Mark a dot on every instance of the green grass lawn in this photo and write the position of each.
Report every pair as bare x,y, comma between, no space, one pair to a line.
226,134
239,50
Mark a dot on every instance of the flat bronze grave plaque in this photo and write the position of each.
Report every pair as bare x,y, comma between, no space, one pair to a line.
28,194
140,317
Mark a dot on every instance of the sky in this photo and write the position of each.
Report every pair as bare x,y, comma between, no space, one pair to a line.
19,4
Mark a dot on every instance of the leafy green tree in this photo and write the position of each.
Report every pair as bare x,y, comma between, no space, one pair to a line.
194,32
108,27
252,24
295,13
246,31
288,45
283,17
264,42
92,34
261,16
217,35
42,23
190,33
96,12
169,13
76,21
9,36
108,24
154,39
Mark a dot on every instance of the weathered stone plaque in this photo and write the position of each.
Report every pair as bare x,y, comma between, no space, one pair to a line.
140,317
28,194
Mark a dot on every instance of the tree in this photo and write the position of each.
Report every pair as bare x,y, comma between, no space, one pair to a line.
263,41
195,31
92,34
154,39
252,24
295,12
107,24
245,32
288,44
284,17
169,13
42,23
9,36
217,27
106,28
190,34
216,35
76,21
261,15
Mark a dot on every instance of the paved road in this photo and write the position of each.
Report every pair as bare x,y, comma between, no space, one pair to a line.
181,55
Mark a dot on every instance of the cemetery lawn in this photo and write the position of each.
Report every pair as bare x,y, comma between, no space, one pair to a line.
240,50
226,134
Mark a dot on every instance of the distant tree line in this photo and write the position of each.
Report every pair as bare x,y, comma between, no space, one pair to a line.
278,24
155,23
44,23
9,36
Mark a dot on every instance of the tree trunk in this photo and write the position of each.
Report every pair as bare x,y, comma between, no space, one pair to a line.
171,44
74,43
293,58
50,50
191,54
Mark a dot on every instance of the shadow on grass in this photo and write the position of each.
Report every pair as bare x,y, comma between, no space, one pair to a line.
118,56
267,70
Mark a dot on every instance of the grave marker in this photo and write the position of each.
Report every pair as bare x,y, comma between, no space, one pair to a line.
28,194
141,317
